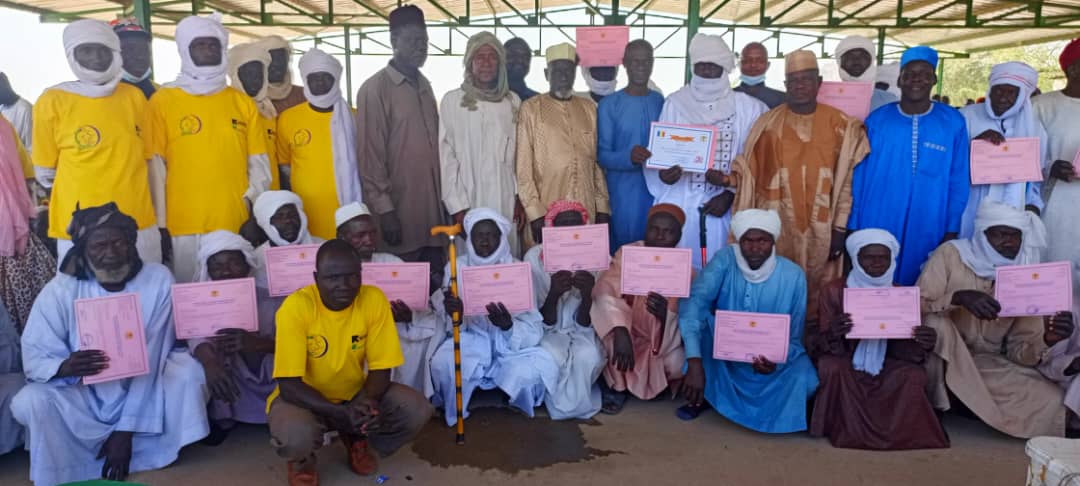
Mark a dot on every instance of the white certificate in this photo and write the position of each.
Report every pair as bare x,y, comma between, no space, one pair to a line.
688,146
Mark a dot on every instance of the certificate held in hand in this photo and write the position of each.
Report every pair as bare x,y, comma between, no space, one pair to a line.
407,282
202,309
576,248
665,271
1016,160
113,325
510,284
688,146
743,336
290,268
1034,290
852,98
602,46
883,313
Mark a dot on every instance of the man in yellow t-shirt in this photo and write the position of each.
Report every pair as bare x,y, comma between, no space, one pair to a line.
208,137
88,139
327,335
317,141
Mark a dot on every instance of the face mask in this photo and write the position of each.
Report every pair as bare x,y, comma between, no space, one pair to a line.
136,79
752,80
708,89
602,88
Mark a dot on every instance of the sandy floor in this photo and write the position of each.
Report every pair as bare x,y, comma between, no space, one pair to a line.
645,445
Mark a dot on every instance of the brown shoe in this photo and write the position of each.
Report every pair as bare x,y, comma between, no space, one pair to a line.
298,476
361,460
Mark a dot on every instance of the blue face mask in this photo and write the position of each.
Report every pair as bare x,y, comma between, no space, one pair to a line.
752,80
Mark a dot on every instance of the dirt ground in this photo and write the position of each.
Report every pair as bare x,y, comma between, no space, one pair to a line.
645,445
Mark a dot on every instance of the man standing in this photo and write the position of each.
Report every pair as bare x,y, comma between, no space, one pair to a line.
600,80
707,100
336,345
247,72
318,144
135,48
399,145
855,56
623,122
78,431
16,110
518,63
477,136
89,139
798,162
282,91
914,184
556,152
1007,113
753,66
209,139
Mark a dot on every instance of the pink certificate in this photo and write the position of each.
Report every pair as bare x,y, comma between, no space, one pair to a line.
883,313
665,271
510,284
576,248
743,336
1016,160
407,282
290,268
202,309
849,97
1034,290
114,325
602,46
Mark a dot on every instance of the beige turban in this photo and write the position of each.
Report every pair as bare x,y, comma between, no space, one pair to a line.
800,60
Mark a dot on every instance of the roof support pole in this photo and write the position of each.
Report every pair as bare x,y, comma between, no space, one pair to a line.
940,75
881,45
348,66
693,23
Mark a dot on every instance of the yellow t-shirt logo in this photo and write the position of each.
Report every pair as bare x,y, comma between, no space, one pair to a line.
190,125
87,137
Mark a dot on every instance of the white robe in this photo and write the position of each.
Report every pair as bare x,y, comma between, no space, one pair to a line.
691,191
1060,115
576,350
419,340
477,151
68,422
510,360
21,116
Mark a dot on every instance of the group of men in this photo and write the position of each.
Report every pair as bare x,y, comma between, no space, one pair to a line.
196,180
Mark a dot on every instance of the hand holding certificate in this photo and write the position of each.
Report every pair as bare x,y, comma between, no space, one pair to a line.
576,248
1034,290
852,98
602,46
743,336
202,309
688,146
509,284
883,313
113,325
290,268
407,282
665,271
1016,160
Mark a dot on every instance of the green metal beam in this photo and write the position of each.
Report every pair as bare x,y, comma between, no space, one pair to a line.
693,24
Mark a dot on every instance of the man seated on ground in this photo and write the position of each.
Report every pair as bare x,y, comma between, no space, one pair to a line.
498,350
239,365
419,330
280,214
565,302
989,362
748,277
78,431
873,391
640,333
336,346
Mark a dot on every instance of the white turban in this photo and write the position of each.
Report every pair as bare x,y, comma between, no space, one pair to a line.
713,99
1026,79
342,126
851,43
242,54
601,88
761,219
858,278
349,211
218,241
92,84
889,74
282,90
982,258
500,255
268,203
712,48
200,80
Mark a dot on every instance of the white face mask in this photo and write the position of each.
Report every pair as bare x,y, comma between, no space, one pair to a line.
708,89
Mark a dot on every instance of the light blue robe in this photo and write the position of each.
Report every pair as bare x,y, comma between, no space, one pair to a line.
881,98
773,403
915,182
11,381
68,422
623,121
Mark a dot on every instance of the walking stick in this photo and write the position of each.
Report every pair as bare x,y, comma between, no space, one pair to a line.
450,232
703,239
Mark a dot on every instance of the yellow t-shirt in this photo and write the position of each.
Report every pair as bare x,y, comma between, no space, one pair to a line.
269,127
206,142
329,349
96,146
304,144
